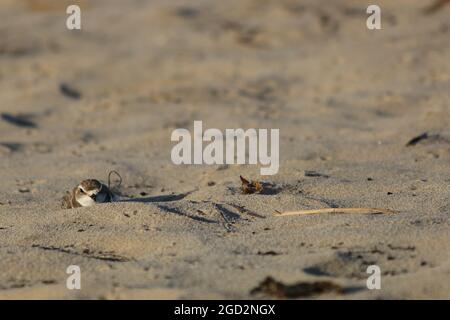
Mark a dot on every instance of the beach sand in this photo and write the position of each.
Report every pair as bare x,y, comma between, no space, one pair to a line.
346,100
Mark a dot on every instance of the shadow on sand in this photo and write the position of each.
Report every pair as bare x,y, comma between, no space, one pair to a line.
170,198
161,198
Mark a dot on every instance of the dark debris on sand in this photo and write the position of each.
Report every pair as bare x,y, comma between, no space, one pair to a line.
20,120
303,289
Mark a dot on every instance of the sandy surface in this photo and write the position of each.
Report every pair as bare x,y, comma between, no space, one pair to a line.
346,101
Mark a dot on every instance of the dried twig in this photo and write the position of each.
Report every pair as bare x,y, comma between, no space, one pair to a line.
435,137
336,210
417,139
109,178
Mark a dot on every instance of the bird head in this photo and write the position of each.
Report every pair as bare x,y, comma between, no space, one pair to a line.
88,192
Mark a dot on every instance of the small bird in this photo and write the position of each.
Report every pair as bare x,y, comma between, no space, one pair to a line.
88,193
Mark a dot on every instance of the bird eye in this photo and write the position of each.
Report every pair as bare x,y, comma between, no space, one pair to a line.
82,191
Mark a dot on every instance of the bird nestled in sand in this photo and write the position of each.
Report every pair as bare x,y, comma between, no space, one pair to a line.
88,193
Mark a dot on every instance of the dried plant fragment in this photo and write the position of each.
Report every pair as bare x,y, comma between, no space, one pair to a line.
250,187
431,138
336,210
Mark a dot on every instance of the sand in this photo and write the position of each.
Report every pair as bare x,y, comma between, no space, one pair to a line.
346,100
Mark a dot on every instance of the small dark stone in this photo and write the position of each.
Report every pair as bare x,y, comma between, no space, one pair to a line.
19,120
12,146
315,174
69,92
187,13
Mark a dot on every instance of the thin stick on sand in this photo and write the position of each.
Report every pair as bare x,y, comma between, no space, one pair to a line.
336,210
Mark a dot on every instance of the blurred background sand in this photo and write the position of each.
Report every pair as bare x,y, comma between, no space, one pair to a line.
346,100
